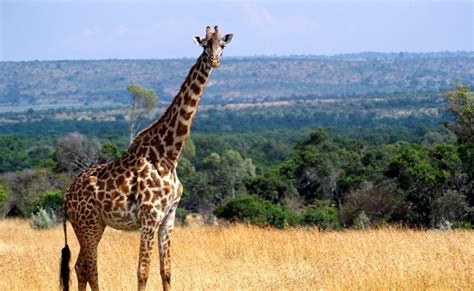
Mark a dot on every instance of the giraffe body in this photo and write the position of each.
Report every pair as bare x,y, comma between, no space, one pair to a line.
141,189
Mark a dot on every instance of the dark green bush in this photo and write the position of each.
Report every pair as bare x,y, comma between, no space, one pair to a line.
52,200
3,194
321,215
256,211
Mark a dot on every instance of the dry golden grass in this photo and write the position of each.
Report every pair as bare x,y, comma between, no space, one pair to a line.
249,258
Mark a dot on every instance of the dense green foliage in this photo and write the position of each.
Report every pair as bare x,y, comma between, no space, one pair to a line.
257,168
256,211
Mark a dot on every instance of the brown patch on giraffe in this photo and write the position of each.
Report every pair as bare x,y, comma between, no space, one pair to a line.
144,173
167,187
149,183
147,195
156,181
182,129
173,120
120,181
192,102
204,70
178,145
141,186
100,184
171,154
146,208
108,205
164,202
110,184
146,139
131,199
162,130
186,115
187,98
141,163
161,149
201,79
169,139
196,89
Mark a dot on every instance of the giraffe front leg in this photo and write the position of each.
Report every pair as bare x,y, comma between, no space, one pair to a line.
146,245
164,238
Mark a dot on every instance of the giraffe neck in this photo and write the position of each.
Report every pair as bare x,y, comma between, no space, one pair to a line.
163,140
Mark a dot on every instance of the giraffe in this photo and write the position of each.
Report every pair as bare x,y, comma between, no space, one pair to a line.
139,190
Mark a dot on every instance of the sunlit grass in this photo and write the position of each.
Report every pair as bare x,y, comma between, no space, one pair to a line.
248,258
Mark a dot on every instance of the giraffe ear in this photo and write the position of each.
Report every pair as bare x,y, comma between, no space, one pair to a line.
227,38
197,40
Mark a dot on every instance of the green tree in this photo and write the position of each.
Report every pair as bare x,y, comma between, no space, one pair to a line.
142,103
272,187
461,105
228,173
423,174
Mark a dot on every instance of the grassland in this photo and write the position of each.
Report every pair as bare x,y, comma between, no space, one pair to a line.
248,258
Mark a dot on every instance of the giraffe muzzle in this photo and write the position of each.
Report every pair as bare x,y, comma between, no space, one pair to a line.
215,63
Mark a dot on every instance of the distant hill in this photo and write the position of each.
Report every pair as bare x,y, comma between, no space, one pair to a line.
90,83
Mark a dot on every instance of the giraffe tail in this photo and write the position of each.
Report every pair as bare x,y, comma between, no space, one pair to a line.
65,257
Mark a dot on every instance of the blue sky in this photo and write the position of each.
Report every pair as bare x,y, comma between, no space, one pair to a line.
52,30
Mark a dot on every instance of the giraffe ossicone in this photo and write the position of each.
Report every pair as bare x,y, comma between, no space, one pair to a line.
139,190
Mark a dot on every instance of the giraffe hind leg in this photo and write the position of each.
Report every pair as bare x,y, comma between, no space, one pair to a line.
89,236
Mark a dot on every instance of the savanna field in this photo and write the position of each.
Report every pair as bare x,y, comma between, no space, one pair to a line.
242,257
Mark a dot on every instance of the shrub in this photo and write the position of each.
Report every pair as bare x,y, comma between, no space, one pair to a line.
44,219
379,202
256,211
52,200
362,221
3,195
181,215
322,215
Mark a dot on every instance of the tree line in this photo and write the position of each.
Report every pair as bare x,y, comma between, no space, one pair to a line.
324,179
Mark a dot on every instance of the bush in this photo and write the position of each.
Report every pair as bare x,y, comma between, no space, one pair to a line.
181,215
3,195
256,211
322,215
44,219
52,200
379,202
362,221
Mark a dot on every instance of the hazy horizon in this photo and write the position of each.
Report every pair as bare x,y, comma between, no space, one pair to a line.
92,30
241,57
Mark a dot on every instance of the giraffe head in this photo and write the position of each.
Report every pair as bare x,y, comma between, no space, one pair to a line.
213,45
